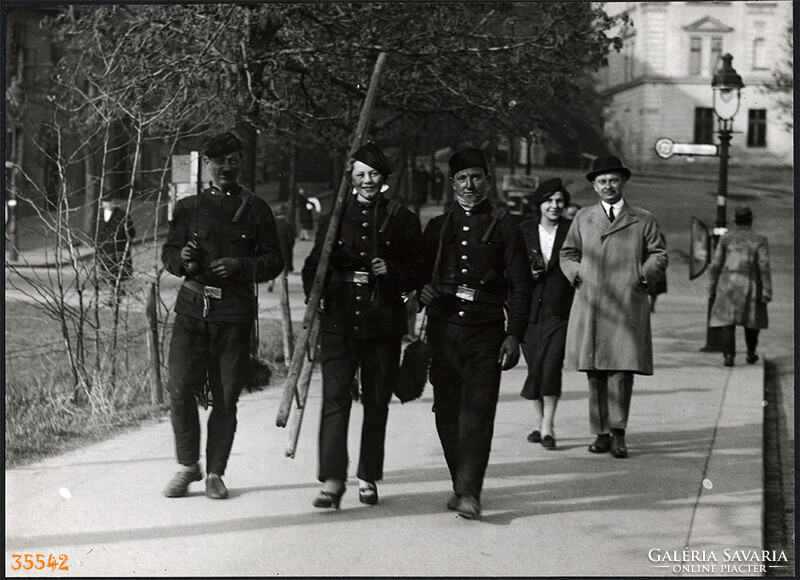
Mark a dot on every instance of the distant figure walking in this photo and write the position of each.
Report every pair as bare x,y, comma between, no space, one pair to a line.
437,184
306,208
286,236
114,239
741,286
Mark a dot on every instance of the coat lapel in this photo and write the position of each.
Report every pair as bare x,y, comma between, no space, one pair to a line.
625,218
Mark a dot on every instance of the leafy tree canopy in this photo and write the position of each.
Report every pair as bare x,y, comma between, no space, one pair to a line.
299,71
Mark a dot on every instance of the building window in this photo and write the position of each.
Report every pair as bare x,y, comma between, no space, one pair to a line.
759,47
716,53
757,128
704,125
760,53
695,55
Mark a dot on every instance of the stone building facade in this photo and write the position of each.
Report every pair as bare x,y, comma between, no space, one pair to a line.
659,85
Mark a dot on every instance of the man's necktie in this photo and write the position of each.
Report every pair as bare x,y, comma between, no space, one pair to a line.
611,213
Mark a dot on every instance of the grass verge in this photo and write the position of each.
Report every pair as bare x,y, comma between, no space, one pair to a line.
41,416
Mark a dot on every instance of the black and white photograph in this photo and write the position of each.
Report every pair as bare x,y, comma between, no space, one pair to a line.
399,289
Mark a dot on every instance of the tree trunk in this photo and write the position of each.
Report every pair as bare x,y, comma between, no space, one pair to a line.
528,155
512,155
247,133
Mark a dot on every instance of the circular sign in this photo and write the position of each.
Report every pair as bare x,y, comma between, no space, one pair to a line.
664,148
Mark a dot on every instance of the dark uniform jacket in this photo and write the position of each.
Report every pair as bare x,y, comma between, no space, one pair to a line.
208,218
552,288
497,268
374,309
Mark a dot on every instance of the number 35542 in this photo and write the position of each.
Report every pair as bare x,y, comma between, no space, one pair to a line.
38,562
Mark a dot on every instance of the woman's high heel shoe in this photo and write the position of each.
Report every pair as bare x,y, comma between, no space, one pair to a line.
368,494
329,499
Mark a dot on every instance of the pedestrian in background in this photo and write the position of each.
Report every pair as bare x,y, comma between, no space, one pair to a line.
286,237
222,241
307,207
114,239
612,253
741,286
422,181
551,299
475,257
437,184
376,257
570,210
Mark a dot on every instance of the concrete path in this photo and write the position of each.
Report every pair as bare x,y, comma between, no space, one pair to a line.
694,479
693,482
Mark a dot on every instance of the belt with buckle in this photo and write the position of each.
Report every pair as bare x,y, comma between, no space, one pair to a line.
357,277
208,292
469,294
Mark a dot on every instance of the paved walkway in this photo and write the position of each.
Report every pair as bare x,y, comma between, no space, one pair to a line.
694,479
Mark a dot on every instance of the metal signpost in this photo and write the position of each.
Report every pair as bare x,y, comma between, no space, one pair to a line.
727,86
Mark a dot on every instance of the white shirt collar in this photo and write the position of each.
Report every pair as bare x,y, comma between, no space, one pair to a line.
617,206
547,240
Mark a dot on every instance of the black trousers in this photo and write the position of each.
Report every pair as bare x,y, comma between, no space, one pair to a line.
219,351
729,339
465,376
342,356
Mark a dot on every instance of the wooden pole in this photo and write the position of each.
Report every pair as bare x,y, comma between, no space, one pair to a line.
296,418
290,390
156,390
286,315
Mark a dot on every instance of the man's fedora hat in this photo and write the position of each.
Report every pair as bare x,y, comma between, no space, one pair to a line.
607,164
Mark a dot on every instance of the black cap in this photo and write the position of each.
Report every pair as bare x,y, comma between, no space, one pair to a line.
547,189
466,158
221,144
607,164
372,155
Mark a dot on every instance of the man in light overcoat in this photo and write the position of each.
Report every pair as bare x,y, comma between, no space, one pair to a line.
612,254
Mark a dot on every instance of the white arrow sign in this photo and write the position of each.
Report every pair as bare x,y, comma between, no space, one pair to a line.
666,148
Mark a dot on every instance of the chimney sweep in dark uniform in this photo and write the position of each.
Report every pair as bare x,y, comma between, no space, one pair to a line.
376,257
223,241
475,256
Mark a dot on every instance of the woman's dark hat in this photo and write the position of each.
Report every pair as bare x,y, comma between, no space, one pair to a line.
466,158
607,164
372,155
548,189
743,215
220,145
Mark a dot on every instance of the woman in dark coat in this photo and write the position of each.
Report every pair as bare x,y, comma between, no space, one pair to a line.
551,300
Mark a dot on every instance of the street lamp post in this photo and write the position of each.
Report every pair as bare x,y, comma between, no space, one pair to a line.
727,88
